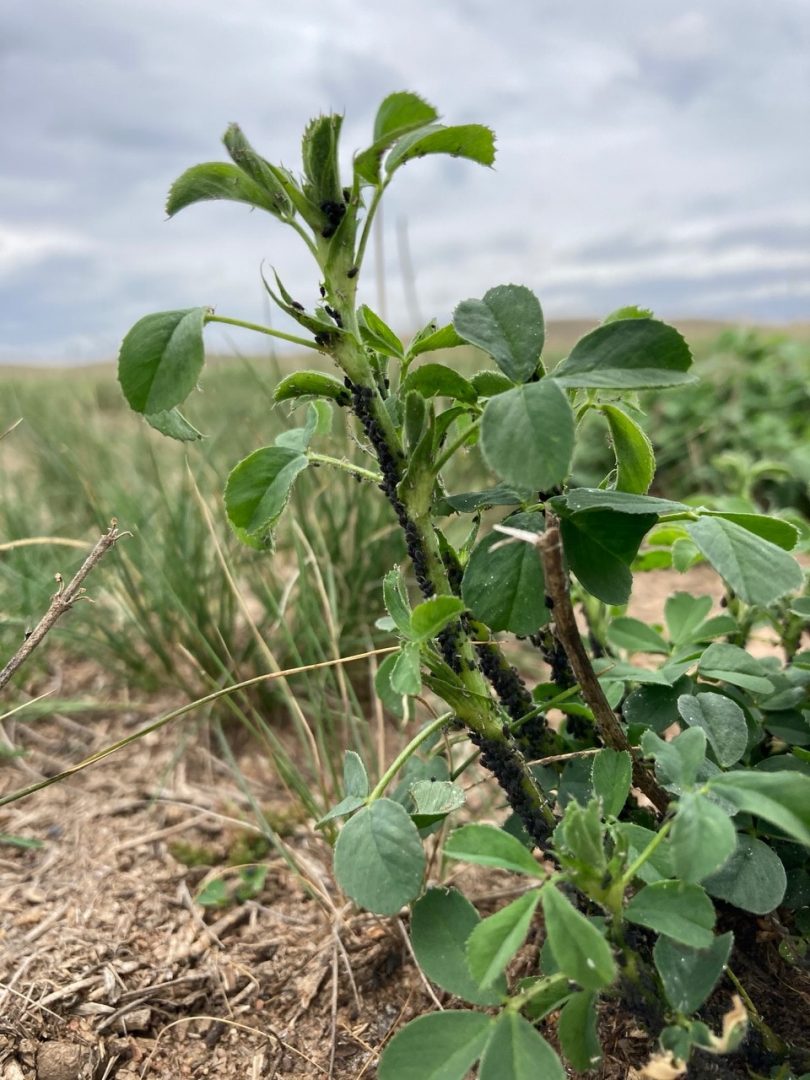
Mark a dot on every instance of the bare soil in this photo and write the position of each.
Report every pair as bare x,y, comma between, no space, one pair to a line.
109,968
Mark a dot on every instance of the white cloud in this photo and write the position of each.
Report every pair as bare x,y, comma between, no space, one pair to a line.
24,247
614,128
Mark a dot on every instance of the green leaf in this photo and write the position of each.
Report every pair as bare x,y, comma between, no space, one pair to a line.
396,602
801,607
378,334
679,759
577,1032
399,114
723,721
342,809
555,992
508,325
658,865
613,671
402,111
689,975
518,1051
431,339
258,489
434,800
24,843
702,838
355,777
214,894
629,312
406,672
173,424
612,772
439,1046
635,636
782,798
655,707
757,570
684,613
628,354
505,588
527,435
311,384
678,909
431,616
488,845
491,383
578,948
599,546
431,380
635,459
734,665
500,495
472,141
623,502
261,172
161,359
495,940
583,834
319,153
684,554
753,879
318,422
773,529
441,922
391,699
379,860
218,180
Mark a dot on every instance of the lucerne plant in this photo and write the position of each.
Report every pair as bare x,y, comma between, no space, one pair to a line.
665,793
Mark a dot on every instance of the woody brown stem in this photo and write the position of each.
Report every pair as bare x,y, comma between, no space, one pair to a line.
567,633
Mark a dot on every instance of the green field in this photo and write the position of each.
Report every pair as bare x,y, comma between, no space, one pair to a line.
182,607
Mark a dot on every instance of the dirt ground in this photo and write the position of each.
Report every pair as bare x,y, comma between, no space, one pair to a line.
110,969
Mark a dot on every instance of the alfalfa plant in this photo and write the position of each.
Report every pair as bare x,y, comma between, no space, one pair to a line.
629,825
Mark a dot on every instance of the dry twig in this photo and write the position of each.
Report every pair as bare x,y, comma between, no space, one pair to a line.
64,599
567,633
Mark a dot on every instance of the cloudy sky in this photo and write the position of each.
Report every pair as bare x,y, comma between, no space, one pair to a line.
649,153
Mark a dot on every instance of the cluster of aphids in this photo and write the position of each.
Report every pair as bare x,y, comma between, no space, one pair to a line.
453,569
554,655
334,212
506,764
532,737
507,683
390,467
449,641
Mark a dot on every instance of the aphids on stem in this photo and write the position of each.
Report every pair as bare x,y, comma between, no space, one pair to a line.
333,212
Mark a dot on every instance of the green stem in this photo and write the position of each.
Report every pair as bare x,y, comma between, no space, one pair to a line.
456,445
519,1001
681,515
263,330
372,210
347,466
407,752
635,866
769,1037
303,234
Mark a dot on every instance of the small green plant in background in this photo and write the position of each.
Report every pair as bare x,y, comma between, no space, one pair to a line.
670,786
